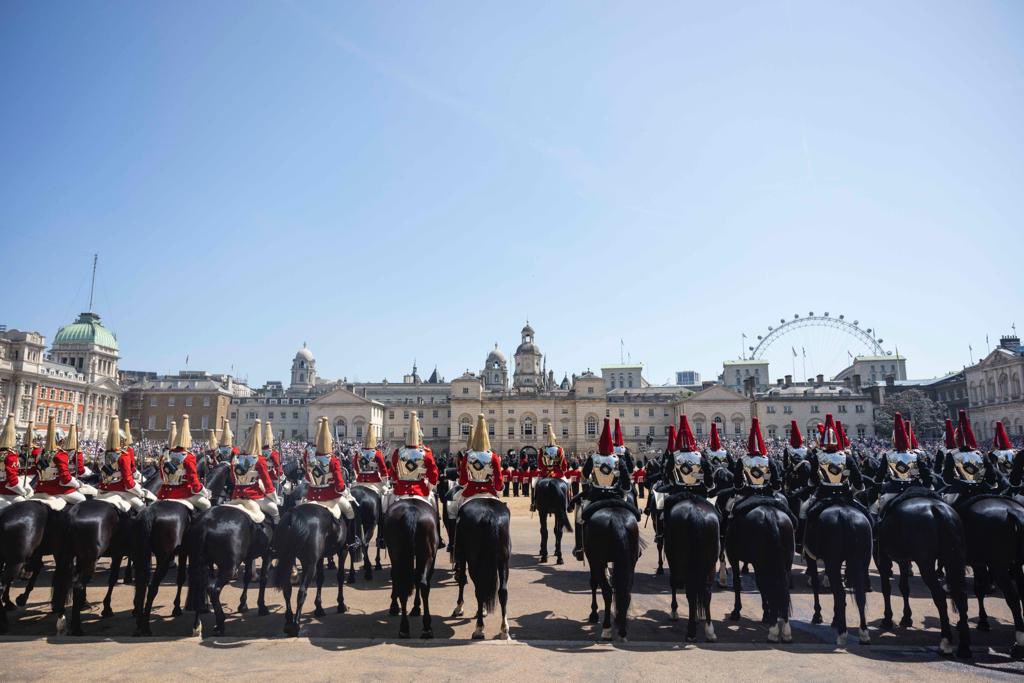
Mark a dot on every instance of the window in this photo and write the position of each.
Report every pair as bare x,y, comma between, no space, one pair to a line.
565,431
511,411
650,412
234,415
622,412
770,410
433,432
650,430
61,395
860,431
565,411
391,415
788,410
591,426
590,390
527,426
464,425
738,431
205,422
490,429
206,401
170,401
435,417
295,432
167,422
636,430
636,412
295,416
771,432
841,409
39,415
465,390
858,409
188,401
511,430
53,393
151,423
405,414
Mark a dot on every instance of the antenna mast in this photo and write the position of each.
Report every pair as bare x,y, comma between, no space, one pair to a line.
92,286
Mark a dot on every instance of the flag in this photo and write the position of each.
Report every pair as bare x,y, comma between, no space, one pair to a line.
186,360
794,351
804,350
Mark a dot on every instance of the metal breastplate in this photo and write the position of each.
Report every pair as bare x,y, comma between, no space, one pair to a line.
1004,460
110,473
606,471
718,459
412,464
833,469
549,456
756,471
902,465
172,468
969,466
46,467
479,467
368,462
244,469
686,468
319,468
796,455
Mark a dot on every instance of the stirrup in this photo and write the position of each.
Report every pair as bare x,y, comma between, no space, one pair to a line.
578,553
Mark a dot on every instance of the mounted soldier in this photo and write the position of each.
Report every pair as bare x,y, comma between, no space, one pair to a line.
250,476
552,464
834,474
55,481
271,455
903,469
479,474
606,477
1004,462
179,473
947,447
966,471
756,474
413,469
551,494
325,482
622,450
13,487
371,470
118,485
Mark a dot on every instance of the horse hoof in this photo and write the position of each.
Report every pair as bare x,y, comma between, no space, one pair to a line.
691,637
606,634
559,560
773,634
319,612
478,635
543,559
414,612
787,632
341,608
864,636
816,619
351,579
403,634
243,608
593,618
394,611
62,625
427,634
176,612
907,621
841,640
709,633
983,625
291,630
503,635
457,612
21,600
886,624
218,630
734,615
673,615
945,647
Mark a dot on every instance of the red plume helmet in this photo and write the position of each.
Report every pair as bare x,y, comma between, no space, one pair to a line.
950,435
796,439
899,434
846,437
844,440
914,443
686,440
604,444
965,439
715,442
830,439
671,437
755,442
821,432
1001,442
618,434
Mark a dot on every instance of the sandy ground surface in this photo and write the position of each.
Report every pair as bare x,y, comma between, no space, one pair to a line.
548,606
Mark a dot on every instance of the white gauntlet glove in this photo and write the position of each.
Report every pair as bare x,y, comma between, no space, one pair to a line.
206,493
74,483
272,497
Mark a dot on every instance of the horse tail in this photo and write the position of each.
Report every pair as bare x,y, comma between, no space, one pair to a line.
1015,518
769,565
624,556
291,535
198,572
63,561
486,547
952,551
403,552
561,513
698,585
142,547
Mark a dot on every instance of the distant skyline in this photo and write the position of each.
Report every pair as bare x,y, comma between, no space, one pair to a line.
396,181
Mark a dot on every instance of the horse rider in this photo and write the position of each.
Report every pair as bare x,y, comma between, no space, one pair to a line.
833,472
479,472
250,476
947,447
966,470
325,482
13,487
76,458
903,469
117,478
1004,462
371,470
227,448
756,474
553,465
178,472
605,476
686,469
54,472
272,455
622,450
127,442
413,469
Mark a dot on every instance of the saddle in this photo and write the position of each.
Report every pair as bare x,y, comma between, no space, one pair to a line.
610,503
116,498
747,504
249,507
337,507
909,494
837,499
676,497
977,497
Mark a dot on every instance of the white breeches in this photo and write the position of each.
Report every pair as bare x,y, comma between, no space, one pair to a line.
8,500
806,505
74,497
454,504
579,510
200,502
268,506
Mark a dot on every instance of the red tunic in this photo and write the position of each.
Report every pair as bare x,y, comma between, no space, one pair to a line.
574,474
372,476
188,488
58,486
414,488
274,462
124,466
131,455
472,488
333,490
558,469
11,462
253,491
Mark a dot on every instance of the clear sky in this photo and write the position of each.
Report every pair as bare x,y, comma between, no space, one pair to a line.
399,180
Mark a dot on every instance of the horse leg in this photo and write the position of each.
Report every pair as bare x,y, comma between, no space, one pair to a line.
35,566
291,626
812,573
691,619
981,581
503,597
243,602
1012,597
428,631
723,572
478,632
558,540
351,569
367,569
82,575
661,547
182,574
115,571
222,579
319,607
594,581
300,597
931,580
544,536
376,562
738,605
415,611
606,593
905,572
834,568
145,611
460,579
884,566
674,614
341,607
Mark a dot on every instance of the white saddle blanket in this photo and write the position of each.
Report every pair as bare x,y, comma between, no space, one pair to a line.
378,486
118,499
55,503
453,506
659,499
429,500
337,507
88,490
249,507
182,501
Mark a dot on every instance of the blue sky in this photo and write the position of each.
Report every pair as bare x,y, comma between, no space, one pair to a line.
396,180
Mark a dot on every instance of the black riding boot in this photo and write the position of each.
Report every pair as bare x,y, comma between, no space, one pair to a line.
533,499
577,552
355,542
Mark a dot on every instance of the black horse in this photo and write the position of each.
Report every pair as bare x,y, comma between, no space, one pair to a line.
483,544
29,530
367,508
994,527
309,534
411,534
219,542
691,535
611,535
762,533
94,529
161,531
926,531
840,532
551,498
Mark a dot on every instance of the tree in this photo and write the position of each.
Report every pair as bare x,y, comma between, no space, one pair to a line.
926,415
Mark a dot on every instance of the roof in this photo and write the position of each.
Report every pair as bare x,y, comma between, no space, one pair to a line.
625,366
746,361
86,330
304,353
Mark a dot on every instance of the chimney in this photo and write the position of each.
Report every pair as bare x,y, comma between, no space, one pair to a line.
820,379
856,382
749,386
1010,342
789,380
890,381
779,381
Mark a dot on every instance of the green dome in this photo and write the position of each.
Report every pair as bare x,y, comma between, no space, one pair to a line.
86,330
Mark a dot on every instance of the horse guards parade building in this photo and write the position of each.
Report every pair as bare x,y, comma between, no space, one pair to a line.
79,381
